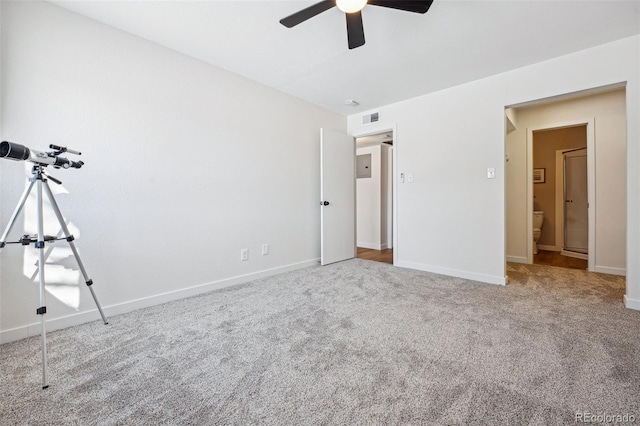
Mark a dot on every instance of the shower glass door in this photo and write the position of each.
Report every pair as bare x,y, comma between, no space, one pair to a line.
576,207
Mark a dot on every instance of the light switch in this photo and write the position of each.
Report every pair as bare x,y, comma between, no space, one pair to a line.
491,173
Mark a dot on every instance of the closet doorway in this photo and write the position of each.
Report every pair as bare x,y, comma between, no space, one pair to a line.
374,197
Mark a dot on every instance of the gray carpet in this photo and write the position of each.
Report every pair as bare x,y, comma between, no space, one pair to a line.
356,342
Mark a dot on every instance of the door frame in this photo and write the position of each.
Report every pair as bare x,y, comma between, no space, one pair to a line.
374,131
591,182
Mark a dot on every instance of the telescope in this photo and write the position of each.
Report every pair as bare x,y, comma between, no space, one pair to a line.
17,152
40,182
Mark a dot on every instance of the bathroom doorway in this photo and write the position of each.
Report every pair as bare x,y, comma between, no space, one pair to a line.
606,170
560,190
374,197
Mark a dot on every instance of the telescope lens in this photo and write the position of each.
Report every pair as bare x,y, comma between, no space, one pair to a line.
13,151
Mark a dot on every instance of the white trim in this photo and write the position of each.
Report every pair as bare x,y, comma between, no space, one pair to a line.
611,271
575,254
549,248
371,246
631,303
559,228
132,305
489,279
394,184
529,161
390,175
517,259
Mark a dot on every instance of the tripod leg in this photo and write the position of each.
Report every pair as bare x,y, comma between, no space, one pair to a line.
70,239
42,309
15,214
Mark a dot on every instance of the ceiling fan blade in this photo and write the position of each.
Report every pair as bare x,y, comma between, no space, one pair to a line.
308,13
355,29
417,6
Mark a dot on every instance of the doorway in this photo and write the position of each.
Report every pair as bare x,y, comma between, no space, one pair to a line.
374,197
606,172
560,196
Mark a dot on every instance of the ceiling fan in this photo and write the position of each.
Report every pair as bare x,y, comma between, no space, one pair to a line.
352,10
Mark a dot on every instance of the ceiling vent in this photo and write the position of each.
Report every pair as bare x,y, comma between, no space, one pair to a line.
370,118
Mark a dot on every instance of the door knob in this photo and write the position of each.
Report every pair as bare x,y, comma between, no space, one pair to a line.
324,203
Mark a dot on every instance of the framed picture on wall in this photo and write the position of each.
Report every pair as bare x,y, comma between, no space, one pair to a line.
538,175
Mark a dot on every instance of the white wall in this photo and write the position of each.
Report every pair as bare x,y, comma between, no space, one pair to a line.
368,206
452,218
608,110
374,200
186,164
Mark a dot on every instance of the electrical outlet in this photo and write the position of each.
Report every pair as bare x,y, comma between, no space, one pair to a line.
244,254
265,249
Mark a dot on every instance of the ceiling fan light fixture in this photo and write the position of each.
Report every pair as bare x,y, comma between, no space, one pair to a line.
351,6
353,14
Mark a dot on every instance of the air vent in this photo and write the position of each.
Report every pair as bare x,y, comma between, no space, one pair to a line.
370,118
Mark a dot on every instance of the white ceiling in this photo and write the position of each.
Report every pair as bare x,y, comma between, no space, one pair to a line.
373,140
405,55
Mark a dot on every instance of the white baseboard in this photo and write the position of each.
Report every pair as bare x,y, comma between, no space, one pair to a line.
517,259
631,303
549,248
568,253
610,271
29,330
489,279
371,246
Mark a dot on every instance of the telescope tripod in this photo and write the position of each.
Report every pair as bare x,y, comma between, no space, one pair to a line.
39,179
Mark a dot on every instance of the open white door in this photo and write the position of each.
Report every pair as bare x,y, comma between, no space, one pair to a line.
337,197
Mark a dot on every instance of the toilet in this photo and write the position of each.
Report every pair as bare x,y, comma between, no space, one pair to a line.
538,218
